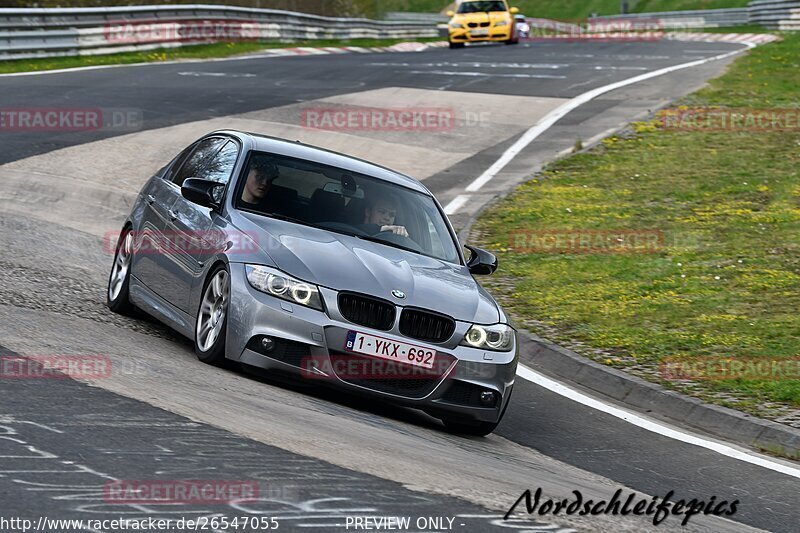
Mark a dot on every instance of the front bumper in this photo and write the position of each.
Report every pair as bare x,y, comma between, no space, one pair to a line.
470,35
310,344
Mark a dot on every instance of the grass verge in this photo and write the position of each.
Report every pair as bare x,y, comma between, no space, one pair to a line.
745,28
723,281
200,51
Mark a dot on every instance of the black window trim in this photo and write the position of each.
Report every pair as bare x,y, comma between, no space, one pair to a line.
178,161
167,177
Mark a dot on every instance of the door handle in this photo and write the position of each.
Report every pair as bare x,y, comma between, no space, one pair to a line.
172,214
150,199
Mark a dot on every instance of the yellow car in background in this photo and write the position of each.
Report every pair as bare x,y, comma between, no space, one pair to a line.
482,20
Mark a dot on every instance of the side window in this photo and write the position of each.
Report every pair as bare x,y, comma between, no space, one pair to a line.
200,157
175,164
219,169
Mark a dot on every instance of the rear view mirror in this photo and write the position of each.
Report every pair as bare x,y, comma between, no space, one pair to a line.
450,13
337,188
481,262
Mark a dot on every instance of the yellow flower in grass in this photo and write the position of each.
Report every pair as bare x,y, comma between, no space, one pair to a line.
647,126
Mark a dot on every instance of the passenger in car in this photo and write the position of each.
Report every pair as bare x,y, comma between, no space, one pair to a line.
262,195
379,215
259,180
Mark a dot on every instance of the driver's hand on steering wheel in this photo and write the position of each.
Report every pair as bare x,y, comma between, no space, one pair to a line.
397,230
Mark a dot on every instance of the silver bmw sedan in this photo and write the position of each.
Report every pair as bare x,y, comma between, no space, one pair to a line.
292,258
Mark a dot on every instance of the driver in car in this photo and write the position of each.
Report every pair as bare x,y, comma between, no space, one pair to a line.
379,216
259,180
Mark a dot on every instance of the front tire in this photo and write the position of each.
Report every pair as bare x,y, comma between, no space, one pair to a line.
117,294
455,45
212,318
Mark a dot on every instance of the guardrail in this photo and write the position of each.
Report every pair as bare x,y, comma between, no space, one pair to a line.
432,18
52,32
695,19
773,14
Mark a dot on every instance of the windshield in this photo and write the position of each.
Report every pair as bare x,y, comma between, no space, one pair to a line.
481,7
338,200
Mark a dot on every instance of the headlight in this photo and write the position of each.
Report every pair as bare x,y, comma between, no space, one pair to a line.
501,23
456,25
280,285
497,337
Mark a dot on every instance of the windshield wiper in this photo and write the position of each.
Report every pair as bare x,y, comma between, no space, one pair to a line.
388,243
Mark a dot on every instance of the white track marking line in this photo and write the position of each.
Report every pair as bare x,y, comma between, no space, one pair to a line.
703,52
556,114
456,204
485,74
653,426
216,74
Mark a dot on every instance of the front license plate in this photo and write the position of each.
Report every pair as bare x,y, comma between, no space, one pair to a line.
479,33
387,349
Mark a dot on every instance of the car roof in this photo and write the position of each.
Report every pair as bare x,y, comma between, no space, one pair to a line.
300,150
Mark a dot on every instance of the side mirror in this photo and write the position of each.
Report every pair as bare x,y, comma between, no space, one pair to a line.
481,262
450,13
202,192
514,10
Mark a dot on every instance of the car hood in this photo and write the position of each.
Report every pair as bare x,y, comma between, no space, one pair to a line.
492,16
345,263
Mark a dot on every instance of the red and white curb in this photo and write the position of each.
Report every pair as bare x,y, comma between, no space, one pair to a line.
734,38
740,38
277,52
326,50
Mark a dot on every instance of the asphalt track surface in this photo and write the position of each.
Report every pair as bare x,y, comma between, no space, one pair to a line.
319,456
